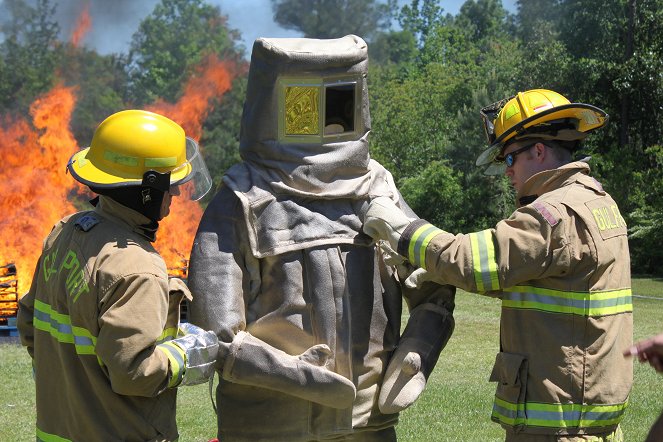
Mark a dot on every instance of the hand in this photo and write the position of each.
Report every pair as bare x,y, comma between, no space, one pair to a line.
650,350
200,349
418,277
427,332
385,220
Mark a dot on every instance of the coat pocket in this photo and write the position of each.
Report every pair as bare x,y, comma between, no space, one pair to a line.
510,373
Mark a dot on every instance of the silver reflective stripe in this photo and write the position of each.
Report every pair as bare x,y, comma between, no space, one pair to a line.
58,325
538,414
598,303
484,261
418,243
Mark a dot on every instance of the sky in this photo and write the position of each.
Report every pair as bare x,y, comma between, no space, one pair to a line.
115,21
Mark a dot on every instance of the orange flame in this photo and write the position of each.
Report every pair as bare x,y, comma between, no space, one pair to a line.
176,232
35,185
37,188
83,24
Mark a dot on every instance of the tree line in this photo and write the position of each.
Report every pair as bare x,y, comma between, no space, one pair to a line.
430,73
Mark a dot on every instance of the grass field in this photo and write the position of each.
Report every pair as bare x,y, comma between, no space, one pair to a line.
455,406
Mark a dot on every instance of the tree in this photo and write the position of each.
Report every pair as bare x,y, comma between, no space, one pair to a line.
101,87
421,18
428,110
168,48
29,53
170,43
333,18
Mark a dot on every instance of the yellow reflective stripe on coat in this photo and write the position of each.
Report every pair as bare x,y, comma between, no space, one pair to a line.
43,436
59,326
167,335
536,414
177,359
418,243
484,262
599,303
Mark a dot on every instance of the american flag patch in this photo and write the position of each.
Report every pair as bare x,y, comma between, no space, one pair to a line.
543,210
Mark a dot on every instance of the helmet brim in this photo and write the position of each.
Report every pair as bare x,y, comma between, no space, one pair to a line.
84,171
588,118
194,170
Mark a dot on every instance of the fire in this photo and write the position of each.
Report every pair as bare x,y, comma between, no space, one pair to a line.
8,293
83,24
213,78
35,152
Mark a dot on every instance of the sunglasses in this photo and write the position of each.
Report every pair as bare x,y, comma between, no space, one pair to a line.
510,158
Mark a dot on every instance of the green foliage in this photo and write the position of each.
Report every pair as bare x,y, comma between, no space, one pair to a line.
220,138
393,48
29,53
170,43
646,231
101,85
426,110
434,194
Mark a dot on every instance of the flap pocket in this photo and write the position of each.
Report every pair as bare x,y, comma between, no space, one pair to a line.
510,373
509,369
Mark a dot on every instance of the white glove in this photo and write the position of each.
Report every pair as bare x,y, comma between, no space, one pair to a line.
416,279
192,355
425,335
256,363
384,220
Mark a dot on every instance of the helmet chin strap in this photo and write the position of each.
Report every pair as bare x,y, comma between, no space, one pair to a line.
153,180
156,180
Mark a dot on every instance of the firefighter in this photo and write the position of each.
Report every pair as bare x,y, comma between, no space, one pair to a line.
560,265
100,320
306,310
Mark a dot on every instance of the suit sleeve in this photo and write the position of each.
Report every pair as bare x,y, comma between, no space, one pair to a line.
25,315
222,271
521,248
132,317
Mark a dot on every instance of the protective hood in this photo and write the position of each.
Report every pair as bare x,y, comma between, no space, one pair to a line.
304,139
297,87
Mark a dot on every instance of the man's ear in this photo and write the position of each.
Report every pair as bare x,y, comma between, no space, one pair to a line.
540,151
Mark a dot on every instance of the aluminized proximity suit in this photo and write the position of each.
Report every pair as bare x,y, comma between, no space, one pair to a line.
306,310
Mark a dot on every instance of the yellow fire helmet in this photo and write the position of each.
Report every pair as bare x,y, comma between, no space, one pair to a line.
137,147
537,113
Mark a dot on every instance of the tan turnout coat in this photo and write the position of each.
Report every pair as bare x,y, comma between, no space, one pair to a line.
561,267
97,307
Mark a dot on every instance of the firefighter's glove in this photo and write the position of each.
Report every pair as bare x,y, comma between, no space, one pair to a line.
425,335
192,355
385,220
256,363
419,276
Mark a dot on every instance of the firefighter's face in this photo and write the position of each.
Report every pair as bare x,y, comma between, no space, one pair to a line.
521,163
167,199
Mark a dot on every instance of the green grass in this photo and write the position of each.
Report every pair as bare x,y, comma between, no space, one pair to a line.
455,406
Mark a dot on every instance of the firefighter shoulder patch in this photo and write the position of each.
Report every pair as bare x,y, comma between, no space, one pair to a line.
546,214
86,222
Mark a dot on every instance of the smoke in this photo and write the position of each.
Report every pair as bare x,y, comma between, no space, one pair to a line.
113,22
